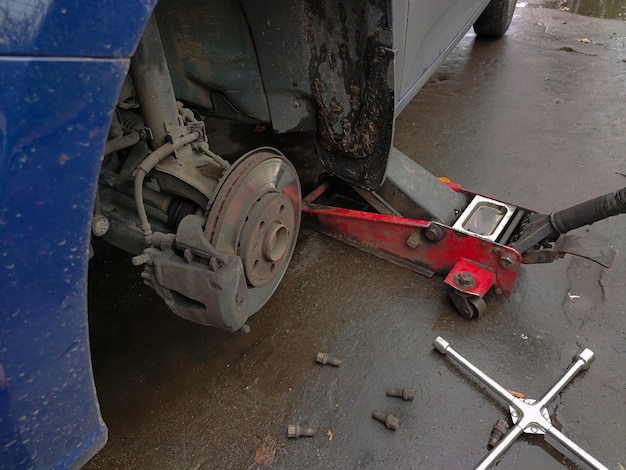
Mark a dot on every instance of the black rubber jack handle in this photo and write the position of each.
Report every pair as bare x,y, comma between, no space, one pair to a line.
586,213
540,228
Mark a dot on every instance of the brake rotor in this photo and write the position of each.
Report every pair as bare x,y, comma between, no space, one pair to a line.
255,214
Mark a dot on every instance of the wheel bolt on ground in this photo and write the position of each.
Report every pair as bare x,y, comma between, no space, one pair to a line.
295,431
404,393
325,358
497,432
391,421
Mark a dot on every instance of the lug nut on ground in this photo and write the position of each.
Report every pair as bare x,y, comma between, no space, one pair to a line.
325,358
404,393
295,431
391,421
497,432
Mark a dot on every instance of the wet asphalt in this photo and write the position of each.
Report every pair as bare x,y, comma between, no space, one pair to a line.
536,119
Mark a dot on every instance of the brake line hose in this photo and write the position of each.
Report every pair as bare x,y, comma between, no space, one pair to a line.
145,167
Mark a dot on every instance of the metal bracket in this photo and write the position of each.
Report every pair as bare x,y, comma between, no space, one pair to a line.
593,249
470,277
528,416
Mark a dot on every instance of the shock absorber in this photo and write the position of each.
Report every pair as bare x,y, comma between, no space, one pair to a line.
153,86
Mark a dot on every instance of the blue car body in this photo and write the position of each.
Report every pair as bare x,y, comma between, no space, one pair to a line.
62,63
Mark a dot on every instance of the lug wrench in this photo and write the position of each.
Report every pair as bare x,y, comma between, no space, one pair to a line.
528,416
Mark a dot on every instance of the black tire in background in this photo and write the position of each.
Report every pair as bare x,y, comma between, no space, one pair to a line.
495,20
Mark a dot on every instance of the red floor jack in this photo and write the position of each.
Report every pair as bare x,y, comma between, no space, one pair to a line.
433,227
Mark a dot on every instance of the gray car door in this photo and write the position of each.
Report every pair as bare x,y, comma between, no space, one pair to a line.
424,33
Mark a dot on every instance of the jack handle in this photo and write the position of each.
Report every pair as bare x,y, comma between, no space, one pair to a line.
540,227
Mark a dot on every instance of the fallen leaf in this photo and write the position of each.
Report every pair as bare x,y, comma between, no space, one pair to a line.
266,453
516,394
585,40
329,433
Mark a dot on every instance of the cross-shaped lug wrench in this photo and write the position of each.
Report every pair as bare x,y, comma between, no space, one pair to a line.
528,416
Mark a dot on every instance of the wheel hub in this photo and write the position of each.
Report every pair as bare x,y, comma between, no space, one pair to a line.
265,238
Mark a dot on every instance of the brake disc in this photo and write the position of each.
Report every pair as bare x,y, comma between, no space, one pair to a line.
255,214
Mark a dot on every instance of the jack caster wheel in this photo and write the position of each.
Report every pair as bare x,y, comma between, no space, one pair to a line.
255,215
468,306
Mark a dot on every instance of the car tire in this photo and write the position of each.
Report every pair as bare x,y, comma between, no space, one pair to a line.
495,19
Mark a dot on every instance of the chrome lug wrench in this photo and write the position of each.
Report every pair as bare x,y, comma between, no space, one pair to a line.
528,416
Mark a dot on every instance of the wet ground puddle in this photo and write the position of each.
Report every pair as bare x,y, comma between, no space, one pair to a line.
612,9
